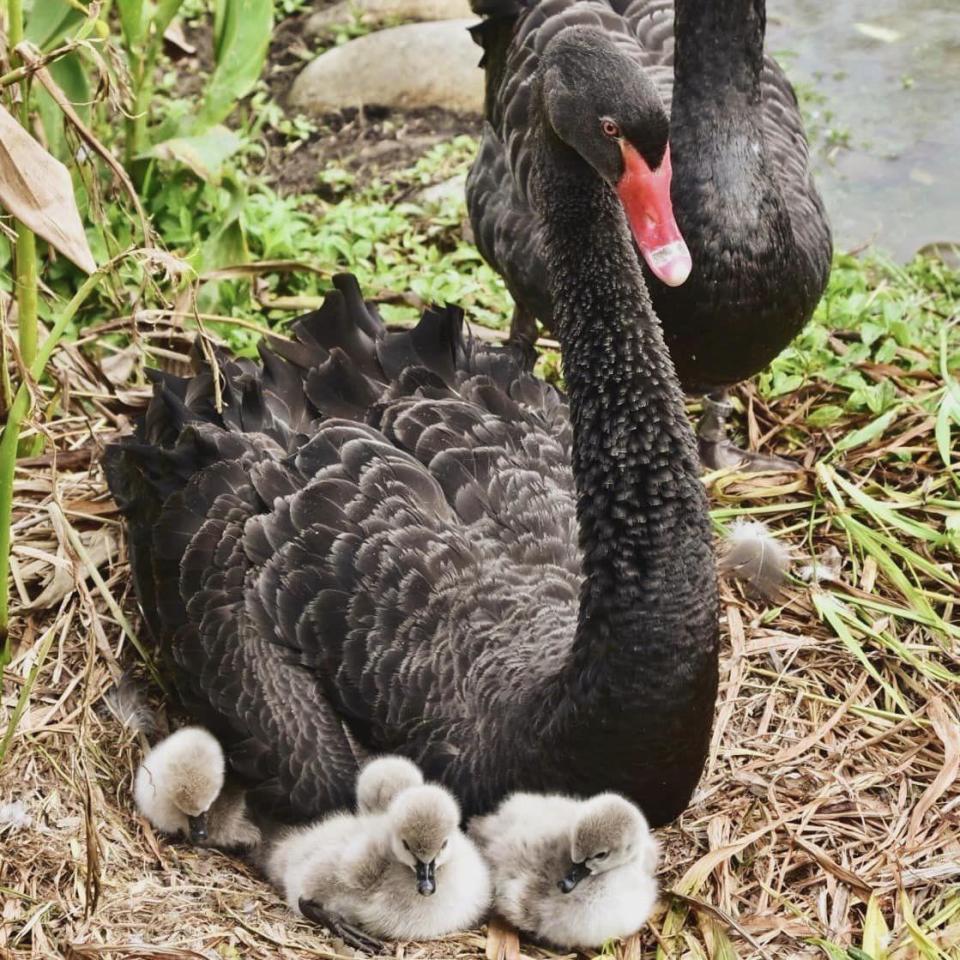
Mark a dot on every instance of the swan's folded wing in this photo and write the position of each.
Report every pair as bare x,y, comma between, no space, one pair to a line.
399,574
349,563
281,736
790,152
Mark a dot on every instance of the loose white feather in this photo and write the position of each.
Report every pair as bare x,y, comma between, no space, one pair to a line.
128,703
755,556
826,567
14,816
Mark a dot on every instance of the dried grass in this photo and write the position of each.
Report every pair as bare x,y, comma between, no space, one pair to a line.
829,811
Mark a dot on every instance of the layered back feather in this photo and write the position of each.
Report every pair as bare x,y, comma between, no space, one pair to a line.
363,550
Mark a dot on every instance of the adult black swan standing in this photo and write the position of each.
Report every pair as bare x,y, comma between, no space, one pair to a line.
742,190
400,542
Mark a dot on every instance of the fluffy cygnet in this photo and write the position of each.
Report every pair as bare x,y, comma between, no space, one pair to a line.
383,779
180,789
406,874
573,872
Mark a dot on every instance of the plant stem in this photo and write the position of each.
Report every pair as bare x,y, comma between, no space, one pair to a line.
15,22
26,284
133,129
27,70
26,247
137,124
18,412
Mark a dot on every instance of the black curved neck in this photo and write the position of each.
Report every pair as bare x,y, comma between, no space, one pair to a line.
727,197
716,117
641,505
719,52
644,659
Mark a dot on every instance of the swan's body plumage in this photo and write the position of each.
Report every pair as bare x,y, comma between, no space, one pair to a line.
373,548
743,191
530,843
354,868
327,584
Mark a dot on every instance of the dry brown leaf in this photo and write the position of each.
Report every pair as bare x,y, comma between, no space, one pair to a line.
502,941
831,866
36,188
631,948
28,54
948,730
101,545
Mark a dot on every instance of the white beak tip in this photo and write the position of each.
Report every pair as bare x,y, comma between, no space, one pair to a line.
671,263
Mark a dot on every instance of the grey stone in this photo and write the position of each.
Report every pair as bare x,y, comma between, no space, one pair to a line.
416,65
438,194
379,11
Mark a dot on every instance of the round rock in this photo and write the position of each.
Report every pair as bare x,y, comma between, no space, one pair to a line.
416,65
379,11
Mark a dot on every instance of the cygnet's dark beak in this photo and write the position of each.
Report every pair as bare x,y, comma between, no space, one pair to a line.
198,828
426,878
576,873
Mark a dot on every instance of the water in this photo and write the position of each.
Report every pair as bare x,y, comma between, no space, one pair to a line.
889,73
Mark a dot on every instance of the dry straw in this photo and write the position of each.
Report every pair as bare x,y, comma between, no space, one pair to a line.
828,821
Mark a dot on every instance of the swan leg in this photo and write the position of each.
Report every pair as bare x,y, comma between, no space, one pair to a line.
523,336
502,940
352,936
718,452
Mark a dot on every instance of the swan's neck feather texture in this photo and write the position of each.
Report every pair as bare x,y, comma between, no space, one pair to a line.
719,53
717,130
643,665
743,201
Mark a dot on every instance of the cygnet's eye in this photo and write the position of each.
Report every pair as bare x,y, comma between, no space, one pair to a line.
610,128
443,846
406,846
602,855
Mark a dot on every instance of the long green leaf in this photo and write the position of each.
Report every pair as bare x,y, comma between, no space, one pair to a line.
204,153
49,22
886,512
925,947
133,22
24,697
830,609
166,11
871,431
876,934
241,54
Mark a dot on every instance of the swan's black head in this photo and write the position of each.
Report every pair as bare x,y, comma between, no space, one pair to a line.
603,105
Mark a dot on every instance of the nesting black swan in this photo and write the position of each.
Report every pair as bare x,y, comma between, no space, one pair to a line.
742,191
401,542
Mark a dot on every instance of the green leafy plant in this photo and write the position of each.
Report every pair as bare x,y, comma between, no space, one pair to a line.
241,37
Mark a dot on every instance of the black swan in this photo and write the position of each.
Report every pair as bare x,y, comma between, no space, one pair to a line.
379,544
742,191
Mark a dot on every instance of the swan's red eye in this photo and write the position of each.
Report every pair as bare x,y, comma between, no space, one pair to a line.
610,129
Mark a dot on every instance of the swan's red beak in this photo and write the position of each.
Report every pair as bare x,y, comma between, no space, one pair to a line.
645,195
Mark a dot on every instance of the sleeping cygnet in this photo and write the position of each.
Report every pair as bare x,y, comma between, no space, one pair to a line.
406,874
179,788
573,872
383,779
